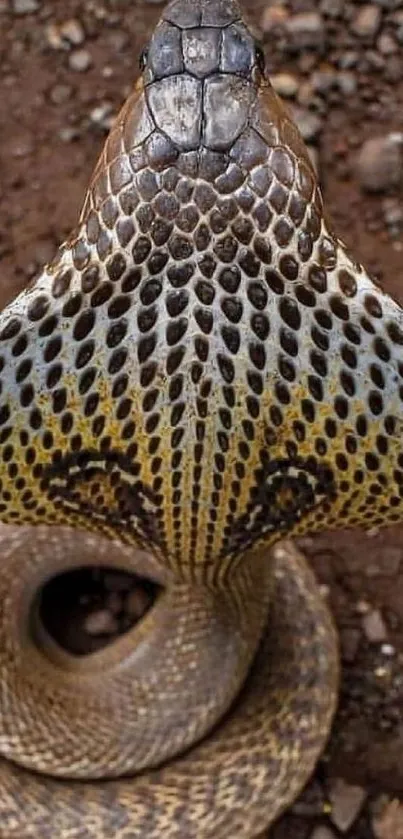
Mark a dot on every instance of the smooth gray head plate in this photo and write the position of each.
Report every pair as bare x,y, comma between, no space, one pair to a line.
200,74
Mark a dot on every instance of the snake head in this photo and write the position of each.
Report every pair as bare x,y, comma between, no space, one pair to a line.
204,367
201,73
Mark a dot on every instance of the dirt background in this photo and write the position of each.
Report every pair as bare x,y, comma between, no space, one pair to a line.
65,68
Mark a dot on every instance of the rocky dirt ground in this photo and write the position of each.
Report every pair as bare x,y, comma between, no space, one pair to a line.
65,68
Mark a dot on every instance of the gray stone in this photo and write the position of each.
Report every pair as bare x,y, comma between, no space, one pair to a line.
285,84
374,627
306,94
323,80
307,30
347,83
103,115
348,59
346,801
80,61
386,44
380,164
389,5
309,124
73,31
388,823
367,21
69,133
332,8
373,60
273,17
393,215
25,7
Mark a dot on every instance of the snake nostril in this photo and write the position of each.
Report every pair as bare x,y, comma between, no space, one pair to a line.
143,58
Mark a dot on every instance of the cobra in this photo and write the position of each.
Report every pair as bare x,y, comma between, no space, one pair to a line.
202,370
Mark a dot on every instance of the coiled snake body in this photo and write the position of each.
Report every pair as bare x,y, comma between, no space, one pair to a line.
202,370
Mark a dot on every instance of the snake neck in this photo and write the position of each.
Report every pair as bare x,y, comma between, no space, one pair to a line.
203,368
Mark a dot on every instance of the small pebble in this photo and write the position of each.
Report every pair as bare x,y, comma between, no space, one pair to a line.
389,823
393,214
362,607
367,22
285,84
305,94
25,7
309,124
389,5
65,35
101,622
73,32
53,37
386,44
323,79
307,30
273,17
375,61
380,164
348,59
388,650
332,8
69,133
347,83
102,115
80,61
60,93
374,627
346,801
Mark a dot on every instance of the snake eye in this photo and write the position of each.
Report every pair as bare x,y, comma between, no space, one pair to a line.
260,58
143,59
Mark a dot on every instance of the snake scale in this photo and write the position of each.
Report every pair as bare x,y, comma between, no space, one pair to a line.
202,370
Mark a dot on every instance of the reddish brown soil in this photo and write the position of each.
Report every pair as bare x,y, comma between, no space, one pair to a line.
42,182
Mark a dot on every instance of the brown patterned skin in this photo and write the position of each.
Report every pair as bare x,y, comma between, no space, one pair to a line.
203,370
